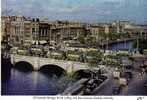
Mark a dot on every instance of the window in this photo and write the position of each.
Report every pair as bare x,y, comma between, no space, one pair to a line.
33,30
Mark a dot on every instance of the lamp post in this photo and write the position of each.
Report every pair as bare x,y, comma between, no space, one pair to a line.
137,42
125,40
117,44
107,43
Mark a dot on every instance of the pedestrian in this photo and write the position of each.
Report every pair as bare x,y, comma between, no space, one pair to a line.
143,71
140,75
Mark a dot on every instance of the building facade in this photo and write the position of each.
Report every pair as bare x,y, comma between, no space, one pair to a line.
28,37
5,28
35,30
44,31
17,29
97,31
21,30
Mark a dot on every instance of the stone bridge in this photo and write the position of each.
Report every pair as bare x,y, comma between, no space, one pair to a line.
37,63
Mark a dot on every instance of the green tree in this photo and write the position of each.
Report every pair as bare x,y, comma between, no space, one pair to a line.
112,61
91,40
140,43
95,58
81,38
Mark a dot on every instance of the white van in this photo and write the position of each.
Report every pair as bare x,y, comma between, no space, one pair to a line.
123,81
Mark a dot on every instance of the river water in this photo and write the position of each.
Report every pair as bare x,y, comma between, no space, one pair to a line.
122,45
37,83
29,83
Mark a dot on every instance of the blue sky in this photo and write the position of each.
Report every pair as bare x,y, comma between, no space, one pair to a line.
83,10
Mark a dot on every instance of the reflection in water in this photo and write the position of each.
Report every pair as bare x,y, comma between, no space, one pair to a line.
35,77
5,68
122,45
32,83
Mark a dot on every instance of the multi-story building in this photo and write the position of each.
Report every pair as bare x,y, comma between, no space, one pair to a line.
97,31
21,30
70,31
55,36
113,29
35,29
120,25
28,37
5,28
17,29
44,31
134,30
106,27
64,31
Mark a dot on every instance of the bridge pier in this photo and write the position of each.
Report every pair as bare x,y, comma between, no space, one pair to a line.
36,64
70,68
12,59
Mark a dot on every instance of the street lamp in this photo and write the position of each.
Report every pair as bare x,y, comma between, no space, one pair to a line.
107,43
137,42
125,40
118,44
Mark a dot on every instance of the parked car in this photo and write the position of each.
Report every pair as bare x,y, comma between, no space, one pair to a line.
21,52
123,81
145,84
116,90
128,67
14,50
128,75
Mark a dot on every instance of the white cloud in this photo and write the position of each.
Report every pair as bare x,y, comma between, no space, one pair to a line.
98,9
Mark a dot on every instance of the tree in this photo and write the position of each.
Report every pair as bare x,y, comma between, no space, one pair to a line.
81,38
96,57
140,43
82,57
113,61
64,55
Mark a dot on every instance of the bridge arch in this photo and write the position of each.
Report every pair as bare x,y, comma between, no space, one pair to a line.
82,73
23,66
52,69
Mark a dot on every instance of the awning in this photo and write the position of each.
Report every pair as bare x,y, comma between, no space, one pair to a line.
33,42
39,42
42,42
35,49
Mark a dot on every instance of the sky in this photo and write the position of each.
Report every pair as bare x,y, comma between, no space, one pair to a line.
79,10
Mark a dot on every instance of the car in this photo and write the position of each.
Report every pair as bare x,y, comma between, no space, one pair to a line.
116,90
123,81
86,91
128,75
128,67
145,84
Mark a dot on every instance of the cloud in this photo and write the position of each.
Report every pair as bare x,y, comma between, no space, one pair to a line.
79,9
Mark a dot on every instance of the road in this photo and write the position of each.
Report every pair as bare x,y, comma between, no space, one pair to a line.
135,86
